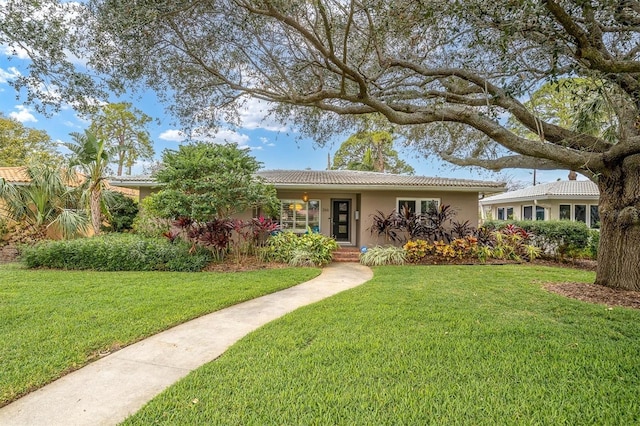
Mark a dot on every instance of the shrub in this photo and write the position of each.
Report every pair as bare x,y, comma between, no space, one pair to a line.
557,238
147,223
388,255
123,211
437,224
417,250
310,248
594,242
117,252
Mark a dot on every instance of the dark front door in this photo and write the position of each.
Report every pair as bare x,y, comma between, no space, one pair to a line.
341,219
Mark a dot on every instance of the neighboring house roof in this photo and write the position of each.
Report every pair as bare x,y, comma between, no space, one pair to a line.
18,175
344,180
560,190
14,174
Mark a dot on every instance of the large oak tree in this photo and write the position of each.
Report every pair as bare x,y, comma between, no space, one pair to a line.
449,74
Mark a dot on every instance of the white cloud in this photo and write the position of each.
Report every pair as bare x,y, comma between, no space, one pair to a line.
15,51
8,74
23,114
173,135
253,115
207,135
221,136
265,142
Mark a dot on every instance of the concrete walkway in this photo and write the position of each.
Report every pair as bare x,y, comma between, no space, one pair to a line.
105,392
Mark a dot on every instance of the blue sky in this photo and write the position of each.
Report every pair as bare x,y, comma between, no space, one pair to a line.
270,142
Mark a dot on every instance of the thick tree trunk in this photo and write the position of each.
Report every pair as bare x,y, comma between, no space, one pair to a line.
619,251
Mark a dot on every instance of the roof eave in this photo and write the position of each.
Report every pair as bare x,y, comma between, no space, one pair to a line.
380,187
135,184
540,197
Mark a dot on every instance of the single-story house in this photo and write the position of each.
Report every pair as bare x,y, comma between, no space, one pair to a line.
341,203
575,200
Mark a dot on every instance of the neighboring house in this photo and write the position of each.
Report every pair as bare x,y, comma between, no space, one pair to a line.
340,203
18,176
575,200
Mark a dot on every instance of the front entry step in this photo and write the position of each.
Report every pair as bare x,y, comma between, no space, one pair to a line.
347,254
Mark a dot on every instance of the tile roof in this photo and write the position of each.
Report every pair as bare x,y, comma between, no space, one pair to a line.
14,174
564,189
352,178
342,179
19,175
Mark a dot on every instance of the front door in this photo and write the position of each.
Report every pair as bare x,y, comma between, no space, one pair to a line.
341,220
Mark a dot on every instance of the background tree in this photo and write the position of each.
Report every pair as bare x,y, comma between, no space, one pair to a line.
121,125
580,104
47,202
91,156
205,181
370,151
448,76
21,145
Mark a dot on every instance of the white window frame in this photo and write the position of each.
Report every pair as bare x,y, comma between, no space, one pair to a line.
572,210
505,212
418,202
299,226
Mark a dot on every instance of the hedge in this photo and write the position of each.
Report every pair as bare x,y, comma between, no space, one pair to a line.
116,252
558,238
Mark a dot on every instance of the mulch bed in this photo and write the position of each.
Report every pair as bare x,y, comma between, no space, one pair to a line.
249,263
596,294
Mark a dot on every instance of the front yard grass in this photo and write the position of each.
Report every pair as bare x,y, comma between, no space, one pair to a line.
425,345
52,322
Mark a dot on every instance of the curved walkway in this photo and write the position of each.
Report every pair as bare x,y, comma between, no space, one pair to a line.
105,392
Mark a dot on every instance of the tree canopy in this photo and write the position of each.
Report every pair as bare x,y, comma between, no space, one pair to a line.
53,35
449,75
121,125
205,181
21,145
91,156
370,151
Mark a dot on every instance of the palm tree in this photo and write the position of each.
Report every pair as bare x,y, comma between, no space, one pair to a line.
45,202
91,156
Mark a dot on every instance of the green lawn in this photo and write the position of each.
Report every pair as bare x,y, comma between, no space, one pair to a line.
52,322
425,345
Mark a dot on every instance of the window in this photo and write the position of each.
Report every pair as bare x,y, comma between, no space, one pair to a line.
505,213
539,213
296,215
580,213
417,205
527,213
509,213
594,217
565,211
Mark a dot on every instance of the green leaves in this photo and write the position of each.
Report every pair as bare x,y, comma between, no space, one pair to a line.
20,145
46,202
204,181
370,151
124,127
